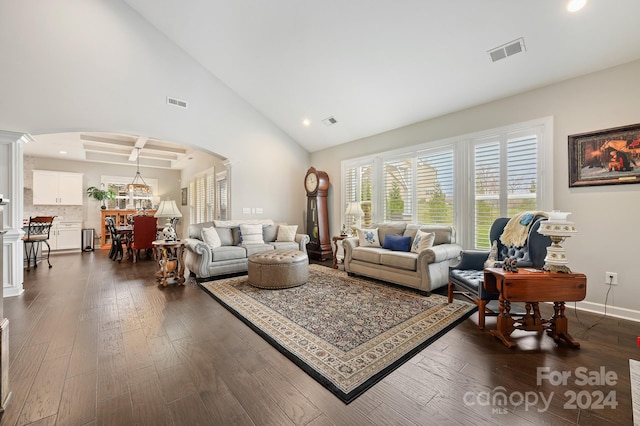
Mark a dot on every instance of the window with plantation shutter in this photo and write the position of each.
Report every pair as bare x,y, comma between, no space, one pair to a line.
210,188
200,199
222,194
465,182
505,180
192,201
358,187
398,189
435,187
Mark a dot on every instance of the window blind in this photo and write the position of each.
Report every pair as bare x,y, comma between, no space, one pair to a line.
435,187
505,176
398,186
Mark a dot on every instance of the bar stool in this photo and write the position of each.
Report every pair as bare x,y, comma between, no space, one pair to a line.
37,233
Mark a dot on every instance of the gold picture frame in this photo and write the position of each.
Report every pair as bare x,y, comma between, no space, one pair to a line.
605,157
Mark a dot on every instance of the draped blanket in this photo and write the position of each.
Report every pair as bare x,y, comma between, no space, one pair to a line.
517,229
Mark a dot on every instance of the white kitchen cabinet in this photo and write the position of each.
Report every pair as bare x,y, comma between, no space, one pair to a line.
57,188
66,235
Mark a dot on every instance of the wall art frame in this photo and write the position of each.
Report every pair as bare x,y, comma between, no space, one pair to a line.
185,196
605,157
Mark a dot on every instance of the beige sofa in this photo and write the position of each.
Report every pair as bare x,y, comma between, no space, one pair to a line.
231,257
425,271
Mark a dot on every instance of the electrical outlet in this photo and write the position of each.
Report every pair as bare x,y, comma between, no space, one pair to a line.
611,278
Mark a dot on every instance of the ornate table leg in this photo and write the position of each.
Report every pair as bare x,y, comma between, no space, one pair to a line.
335,253
180,260
560,326
505,324
164,263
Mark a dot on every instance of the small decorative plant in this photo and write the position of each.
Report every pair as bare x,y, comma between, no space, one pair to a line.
101,195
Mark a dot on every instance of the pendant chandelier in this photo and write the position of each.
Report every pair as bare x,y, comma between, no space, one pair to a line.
138,186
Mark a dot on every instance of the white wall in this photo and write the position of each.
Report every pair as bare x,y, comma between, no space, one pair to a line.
606,216
81,65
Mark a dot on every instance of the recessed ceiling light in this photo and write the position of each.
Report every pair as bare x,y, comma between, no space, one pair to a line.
306,122
575,5
62,152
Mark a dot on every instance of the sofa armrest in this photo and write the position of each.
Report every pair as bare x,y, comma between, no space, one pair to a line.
472,259
197,246
348,244
197,257
302,240
439,253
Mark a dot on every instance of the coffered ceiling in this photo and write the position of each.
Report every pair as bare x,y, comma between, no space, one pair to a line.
111,148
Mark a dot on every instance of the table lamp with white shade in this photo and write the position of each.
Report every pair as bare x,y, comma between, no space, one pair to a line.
168,209
558,229
354,210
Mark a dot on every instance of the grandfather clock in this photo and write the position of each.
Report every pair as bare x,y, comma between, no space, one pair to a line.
316,183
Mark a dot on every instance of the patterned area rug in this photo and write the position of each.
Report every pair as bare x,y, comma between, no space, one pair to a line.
345,332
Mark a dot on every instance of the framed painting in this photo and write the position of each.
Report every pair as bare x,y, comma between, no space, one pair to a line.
605,157
185,199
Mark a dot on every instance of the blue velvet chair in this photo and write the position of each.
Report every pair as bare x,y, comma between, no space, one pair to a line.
467,277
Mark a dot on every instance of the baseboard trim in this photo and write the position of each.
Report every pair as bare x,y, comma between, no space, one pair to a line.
612,311
12,291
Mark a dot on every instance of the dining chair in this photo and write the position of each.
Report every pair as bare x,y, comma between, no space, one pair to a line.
116,240
38,232
144,234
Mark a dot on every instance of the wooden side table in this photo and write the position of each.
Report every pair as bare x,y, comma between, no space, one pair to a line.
335,240
532,286
170,261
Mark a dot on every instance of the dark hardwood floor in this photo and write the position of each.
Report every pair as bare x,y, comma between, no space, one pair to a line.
96,342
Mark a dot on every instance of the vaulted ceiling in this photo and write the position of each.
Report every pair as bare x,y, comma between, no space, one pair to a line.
378,65
332,71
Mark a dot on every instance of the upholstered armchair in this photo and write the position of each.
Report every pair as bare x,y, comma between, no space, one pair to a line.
466,278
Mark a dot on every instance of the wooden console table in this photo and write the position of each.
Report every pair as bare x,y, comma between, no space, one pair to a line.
170,261
532,286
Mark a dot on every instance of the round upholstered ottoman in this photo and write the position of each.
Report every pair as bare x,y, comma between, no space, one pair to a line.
278,269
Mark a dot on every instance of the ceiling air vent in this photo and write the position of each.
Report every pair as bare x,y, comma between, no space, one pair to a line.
329,121
176,102
509,49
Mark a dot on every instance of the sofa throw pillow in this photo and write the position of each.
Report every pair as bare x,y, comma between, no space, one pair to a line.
287,233
236,237
368,237
396,243
269,233
251,234
226,236
423,240
210,237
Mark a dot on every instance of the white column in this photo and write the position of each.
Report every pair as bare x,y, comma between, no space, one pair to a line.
11,186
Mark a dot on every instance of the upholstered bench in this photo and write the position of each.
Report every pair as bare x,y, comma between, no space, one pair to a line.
278,269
